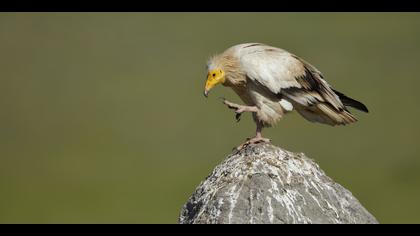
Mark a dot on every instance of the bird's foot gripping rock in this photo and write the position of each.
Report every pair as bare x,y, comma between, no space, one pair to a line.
254,140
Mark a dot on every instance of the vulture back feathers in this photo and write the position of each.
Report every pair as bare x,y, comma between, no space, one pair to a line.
277,81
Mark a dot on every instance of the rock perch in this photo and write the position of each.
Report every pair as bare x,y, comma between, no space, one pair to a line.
264,184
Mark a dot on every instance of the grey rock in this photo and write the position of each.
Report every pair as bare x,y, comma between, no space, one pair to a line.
264,184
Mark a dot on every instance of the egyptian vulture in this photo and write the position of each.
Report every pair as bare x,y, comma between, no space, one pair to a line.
271,82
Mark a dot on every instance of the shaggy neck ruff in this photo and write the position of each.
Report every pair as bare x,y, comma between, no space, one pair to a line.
231,66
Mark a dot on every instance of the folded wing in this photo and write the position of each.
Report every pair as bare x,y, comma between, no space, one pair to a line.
289,77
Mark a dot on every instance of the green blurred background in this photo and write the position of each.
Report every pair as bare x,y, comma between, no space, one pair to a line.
103,118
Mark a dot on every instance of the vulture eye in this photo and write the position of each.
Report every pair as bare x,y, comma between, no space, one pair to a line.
214,74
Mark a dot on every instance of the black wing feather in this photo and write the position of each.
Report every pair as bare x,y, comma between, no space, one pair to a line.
347,101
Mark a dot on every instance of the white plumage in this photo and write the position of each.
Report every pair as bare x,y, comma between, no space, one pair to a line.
272,81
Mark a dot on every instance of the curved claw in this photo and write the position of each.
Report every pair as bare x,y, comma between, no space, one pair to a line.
238,117
238,108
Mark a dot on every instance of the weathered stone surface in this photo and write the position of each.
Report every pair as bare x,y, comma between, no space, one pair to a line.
266,184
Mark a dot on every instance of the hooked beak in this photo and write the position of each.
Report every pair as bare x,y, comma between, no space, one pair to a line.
210,83
214,77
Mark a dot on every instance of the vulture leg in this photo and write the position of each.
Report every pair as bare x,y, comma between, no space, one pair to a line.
258,135
239,109
257,139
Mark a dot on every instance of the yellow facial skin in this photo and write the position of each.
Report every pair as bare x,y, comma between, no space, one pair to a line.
214,77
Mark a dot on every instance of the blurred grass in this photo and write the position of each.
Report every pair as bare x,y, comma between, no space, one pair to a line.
103,118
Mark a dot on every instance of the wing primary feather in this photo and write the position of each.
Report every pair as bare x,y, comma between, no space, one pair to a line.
347,101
